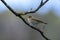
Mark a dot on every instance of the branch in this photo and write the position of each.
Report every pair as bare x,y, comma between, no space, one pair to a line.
40,5
23,19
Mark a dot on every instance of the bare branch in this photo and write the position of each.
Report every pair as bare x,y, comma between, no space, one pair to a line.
41,2
24,19
40,5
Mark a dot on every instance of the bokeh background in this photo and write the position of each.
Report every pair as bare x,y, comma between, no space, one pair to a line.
13,28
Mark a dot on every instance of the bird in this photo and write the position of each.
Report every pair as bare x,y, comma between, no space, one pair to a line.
34,21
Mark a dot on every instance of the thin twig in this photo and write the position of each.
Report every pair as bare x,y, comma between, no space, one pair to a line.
40,5
23,19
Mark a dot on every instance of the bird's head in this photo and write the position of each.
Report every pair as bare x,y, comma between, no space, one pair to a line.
30,16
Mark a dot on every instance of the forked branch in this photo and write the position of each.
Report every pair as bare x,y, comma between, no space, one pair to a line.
19,15
40,5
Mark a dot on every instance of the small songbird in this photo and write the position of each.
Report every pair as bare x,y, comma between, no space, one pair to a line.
33,21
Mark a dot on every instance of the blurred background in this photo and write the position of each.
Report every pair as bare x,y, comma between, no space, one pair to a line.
13,28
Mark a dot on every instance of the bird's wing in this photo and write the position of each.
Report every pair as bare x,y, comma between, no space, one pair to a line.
32,22
38,21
